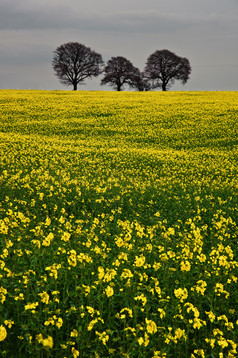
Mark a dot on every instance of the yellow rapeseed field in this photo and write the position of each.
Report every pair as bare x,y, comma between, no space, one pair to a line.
118,224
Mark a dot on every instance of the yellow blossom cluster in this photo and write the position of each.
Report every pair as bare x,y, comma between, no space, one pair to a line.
118,224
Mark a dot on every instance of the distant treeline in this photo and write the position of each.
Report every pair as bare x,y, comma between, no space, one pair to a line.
74,62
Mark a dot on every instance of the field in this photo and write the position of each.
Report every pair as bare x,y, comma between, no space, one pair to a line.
118,224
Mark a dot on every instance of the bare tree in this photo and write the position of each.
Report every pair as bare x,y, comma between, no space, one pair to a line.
120,71
163,67
74,62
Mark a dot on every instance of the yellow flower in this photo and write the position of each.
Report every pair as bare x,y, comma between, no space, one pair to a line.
119,242
164,257
200,287
62,220
37,243
185,266
55,292
86,290
145,341
47,221
93,322
201,257
3,333
59,323
74,333
90,310
211,341
20,297
101,272
141,298
72,259
223,261
158,354
217,331
44,297
9,323
151,326
156,266
48,342
139,261
211,315
161,313
222,342
3,293
126,273
31,306
103,337
50,321
181,294
170,231
53,270
197,323
75,352
179,333
109,291
224,318
66,236
122,315
110,274
199,352
48,239
4,254
219,288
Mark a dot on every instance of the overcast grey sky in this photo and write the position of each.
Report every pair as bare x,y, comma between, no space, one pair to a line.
204,31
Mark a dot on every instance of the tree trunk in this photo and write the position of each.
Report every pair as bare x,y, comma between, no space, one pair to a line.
75,86
164,87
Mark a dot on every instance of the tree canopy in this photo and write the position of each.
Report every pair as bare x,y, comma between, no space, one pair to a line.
163,67
120,71
74,62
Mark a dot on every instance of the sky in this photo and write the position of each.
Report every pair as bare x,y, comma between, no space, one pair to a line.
203,31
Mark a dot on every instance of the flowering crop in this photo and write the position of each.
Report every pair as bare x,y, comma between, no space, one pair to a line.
118,224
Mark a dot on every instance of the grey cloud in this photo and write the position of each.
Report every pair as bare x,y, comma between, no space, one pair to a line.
154,21
13,16
141,21
16,17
